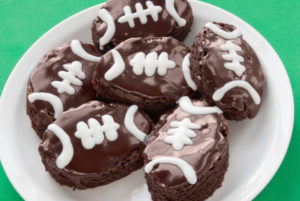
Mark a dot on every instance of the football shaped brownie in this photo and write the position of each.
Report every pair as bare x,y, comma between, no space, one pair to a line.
119,20
227,71
152,73
95,144
187,155
61,80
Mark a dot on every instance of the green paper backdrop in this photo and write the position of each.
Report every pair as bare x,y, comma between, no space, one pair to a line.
22,22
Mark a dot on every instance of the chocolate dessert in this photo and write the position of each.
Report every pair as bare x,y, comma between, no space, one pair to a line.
227,71
119,20
95,144
151,73
61,80
187,155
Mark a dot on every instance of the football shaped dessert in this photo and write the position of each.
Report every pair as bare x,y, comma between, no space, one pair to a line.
119,20
152,73
61,80
227,71
95,144
187,154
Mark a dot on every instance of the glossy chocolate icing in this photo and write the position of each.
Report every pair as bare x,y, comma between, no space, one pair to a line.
47,71
210,74
171,86
208,146
165,26
103,156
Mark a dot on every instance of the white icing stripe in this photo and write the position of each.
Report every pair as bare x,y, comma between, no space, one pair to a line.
92,133
106,17
151,62
227,35
66,155
170,7
130,125
218,95
235,65
187,72
186,168
140,13
187,106
116,69
69,77
79,51
52,99
181,133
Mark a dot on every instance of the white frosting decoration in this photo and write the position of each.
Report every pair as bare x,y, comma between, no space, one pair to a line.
66,155
52,99
79,51
107,18
140,13
130,125
234,57
170,7
150,62
224,34
186,168
187,106
187,72
181,133
218,95
92,133
116,69
69,77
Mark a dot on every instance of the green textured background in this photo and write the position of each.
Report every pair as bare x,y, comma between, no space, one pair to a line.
22,22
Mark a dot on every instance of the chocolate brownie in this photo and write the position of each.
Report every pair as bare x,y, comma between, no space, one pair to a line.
119,20
152,73
95,144
187,155
227,71
61,80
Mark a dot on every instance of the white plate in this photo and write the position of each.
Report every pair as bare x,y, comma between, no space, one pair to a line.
257,147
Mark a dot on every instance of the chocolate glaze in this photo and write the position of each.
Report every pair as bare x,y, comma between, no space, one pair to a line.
165,26
171,86
209,146
47,71
89,163
207,66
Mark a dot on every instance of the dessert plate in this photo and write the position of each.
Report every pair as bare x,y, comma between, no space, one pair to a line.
257,147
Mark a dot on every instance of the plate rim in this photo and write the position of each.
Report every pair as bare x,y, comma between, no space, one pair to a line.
250,195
